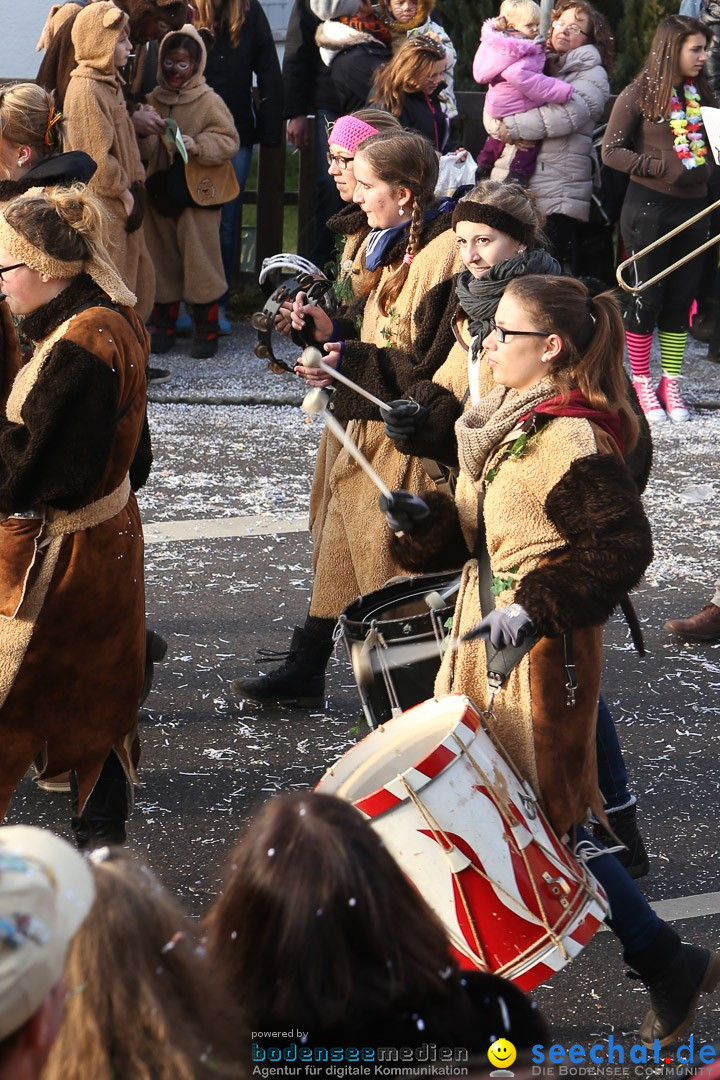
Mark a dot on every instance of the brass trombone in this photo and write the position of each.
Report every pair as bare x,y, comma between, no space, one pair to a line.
635,290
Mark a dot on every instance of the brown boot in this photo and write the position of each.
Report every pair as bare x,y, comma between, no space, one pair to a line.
705,626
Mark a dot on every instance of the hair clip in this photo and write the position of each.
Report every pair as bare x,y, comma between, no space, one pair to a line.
408,258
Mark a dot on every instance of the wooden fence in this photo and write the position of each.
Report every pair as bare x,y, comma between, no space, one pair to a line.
271,198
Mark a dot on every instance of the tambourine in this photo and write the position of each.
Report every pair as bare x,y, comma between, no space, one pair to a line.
316,288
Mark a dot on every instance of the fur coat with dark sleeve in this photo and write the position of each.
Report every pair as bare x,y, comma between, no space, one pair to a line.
567,538
72,653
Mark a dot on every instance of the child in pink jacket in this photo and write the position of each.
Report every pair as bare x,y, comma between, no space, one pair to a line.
511,61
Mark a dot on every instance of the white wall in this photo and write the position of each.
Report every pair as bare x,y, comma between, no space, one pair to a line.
21,23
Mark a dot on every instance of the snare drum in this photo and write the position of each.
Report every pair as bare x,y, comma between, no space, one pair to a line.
469,833
412,610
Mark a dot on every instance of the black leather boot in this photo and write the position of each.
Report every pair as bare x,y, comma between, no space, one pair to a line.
624,824
676,974
300,679
155,650
106,811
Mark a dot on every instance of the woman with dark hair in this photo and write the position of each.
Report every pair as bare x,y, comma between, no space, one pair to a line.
546,501
655,134
405,333
581,53
317,928
143,1002
409,87
243,46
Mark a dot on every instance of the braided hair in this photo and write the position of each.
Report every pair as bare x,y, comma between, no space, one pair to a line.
403,159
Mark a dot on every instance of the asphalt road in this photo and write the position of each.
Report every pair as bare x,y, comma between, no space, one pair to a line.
228,573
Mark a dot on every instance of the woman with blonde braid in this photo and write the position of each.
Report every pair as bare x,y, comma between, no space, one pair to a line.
73,446
405,334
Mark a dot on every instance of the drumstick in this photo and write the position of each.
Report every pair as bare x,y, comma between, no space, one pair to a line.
312,358
342,436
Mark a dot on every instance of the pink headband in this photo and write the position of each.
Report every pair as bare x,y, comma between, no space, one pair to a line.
349,132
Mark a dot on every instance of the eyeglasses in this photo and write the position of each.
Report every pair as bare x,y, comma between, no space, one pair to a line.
339,160
573,28
501,333
7,269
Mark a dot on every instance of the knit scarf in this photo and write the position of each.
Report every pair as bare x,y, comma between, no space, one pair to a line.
481,430
479,297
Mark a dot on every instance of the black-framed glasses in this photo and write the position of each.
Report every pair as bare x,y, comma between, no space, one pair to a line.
7,269
501,333
340,160
573,28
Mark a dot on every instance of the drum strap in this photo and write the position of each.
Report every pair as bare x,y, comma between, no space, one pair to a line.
500,662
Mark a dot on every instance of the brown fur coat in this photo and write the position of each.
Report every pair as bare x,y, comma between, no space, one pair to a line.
72,659
568,538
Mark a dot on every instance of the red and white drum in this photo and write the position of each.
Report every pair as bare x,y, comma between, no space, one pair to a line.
469,833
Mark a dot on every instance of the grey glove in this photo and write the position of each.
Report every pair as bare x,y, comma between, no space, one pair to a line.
403,510
505,626
403,418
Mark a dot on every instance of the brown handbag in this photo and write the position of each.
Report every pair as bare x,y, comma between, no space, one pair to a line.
211,185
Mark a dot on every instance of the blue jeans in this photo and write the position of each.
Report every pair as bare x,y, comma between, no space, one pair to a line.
230,218
632,919
612,774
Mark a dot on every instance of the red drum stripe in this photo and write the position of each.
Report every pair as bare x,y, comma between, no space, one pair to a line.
378,803
435,762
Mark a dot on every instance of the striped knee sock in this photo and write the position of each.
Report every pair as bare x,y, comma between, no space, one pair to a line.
672,350
638,347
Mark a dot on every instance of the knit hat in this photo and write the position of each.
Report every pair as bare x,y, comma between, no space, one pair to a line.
333,9
98,266
349,132
46,890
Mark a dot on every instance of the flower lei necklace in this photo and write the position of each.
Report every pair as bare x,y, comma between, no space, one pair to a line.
686,126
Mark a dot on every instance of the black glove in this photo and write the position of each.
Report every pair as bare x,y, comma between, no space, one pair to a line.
404,418
403,510
505,626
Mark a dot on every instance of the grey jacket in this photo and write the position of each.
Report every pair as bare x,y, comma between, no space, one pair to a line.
563,179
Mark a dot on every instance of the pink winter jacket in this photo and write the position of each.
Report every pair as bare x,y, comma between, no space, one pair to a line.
513,68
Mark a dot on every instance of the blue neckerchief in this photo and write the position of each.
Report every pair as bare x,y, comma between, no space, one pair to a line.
380,240
378,243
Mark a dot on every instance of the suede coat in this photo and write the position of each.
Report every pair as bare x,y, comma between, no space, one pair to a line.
567,538
97,121
186,249
354,555
72,656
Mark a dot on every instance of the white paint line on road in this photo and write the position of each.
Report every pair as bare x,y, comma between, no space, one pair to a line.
688,907
685,907
165,532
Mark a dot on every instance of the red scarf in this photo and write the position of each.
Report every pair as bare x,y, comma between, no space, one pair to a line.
576,405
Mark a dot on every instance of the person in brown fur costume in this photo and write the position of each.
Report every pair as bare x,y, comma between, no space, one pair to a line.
566,535
97,121
74,445
149,21
405,333
184,243
30,137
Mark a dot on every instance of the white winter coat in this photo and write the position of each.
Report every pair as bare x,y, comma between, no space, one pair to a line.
563,178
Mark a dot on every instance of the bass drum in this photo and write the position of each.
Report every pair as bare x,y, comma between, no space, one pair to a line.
413,612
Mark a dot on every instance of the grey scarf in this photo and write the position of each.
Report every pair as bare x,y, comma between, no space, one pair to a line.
481,430
479,297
